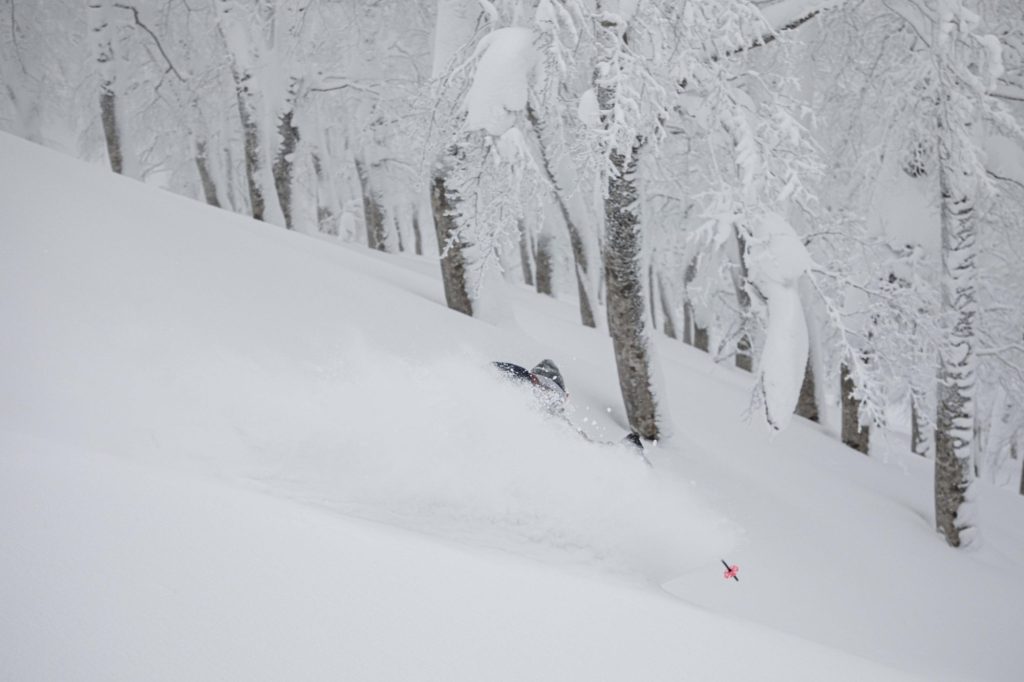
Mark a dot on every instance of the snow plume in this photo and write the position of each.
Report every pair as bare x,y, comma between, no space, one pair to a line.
777,259
413,444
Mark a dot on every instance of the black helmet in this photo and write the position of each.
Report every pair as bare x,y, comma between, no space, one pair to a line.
549,370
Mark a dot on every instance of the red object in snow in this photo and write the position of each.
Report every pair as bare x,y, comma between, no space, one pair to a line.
730,571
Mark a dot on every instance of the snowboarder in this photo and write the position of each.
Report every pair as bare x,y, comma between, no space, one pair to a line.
549,388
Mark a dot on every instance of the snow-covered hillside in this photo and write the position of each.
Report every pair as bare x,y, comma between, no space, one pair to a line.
228,451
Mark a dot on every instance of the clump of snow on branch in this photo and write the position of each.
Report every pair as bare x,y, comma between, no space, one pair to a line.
501,83
777,259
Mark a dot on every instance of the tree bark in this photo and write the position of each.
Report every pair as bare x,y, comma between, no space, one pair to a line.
652,294
235,202
687,323
416,234
288,140
701,338
376,231
544,267
524,253
627,319
328,208
252,150
444,201
102,34
744,350
236,31
326,205
398,235
954,443
1014,452
693,333
205,176
920,434
807,403
854,434
668,323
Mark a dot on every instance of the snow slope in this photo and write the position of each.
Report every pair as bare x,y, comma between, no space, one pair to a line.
233,452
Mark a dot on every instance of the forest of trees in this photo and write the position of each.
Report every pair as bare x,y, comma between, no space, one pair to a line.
825,193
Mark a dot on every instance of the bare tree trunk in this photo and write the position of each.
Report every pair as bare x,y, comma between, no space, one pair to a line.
954,444
652,296
252,148
326,205
544,267
398,235
524,253
288,140
668,324
102,34
455,23
417,235
328,208
920,433
205,177
701,338
854,434
376,233
627,320
1015,453
111,129
253,156
744,354
235,203
807,403
236,31
691,331
444,201
579,251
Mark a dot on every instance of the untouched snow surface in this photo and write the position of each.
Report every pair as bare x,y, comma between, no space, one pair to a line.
232,452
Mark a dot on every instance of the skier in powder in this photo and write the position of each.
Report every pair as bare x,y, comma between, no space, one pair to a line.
545,379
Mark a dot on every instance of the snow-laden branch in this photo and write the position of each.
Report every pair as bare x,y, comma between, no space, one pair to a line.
786,16
501,82
777,260
333,83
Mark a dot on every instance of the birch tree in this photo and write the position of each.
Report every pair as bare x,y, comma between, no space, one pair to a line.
242,40
454,30
103,40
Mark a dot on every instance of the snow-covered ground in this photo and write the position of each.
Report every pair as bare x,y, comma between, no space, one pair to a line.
232,452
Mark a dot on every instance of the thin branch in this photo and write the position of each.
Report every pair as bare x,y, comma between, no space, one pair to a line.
138,22
1009,92
1004,179
983,352
1010,366
774,34
790,24
324,84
